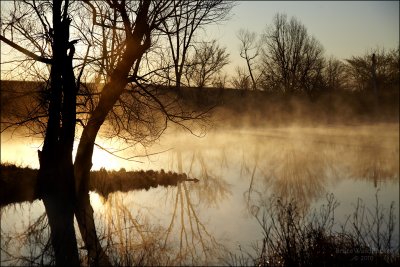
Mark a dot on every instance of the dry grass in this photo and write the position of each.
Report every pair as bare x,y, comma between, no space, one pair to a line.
294,238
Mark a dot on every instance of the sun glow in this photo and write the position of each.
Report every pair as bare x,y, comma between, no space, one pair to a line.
103,159
96,201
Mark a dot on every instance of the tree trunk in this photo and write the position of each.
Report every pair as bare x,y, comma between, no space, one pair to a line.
253,81
59,209
83,161
55,179
56,174
58,198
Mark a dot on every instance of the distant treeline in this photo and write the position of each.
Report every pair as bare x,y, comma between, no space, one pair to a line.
286,58
17,184
238,107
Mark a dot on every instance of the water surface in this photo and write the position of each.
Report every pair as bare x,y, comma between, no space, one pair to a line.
238,170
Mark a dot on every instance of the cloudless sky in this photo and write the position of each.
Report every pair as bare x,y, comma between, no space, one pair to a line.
344,28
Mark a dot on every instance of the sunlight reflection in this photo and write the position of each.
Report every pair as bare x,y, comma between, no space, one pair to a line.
237,172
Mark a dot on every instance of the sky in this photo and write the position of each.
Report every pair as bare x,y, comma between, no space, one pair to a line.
344,28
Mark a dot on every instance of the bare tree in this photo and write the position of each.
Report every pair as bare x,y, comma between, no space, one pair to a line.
241,80
56,173
362,75
335,74
249,51
220,81
128,30
153,20
207,61
292,60
189,16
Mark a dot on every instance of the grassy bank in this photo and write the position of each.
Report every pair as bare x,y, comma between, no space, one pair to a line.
18,184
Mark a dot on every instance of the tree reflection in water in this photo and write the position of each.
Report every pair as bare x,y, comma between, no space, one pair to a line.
297,176
196,243
29,246
376,164
128,235
295,172
302,171
129,239
213,188
185,239
262,168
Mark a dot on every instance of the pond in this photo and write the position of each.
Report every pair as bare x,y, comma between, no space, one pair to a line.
240,173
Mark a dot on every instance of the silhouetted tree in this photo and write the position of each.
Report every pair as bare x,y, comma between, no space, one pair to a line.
141,22
362,75
129,29
292,60
335,74
188,16
241,80
220,81
250,50
204,66
56,173
207,61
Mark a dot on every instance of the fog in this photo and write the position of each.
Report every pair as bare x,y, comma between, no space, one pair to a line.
251,148
238,170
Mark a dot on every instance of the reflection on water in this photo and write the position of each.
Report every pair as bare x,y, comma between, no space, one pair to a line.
194,223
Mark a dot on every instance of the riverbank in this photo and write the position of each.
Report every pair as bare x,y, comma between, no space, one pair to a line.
18,183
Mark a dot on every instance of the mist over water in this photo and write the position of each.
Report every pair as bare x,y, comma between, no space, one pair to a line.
237,170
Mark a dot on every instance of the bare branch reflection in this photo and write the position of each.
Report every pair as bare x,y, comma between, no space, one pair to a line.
302,169
175,222
195,241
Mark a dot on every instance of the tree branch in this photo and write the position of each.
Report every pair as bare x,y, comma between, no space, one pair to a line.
26,52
